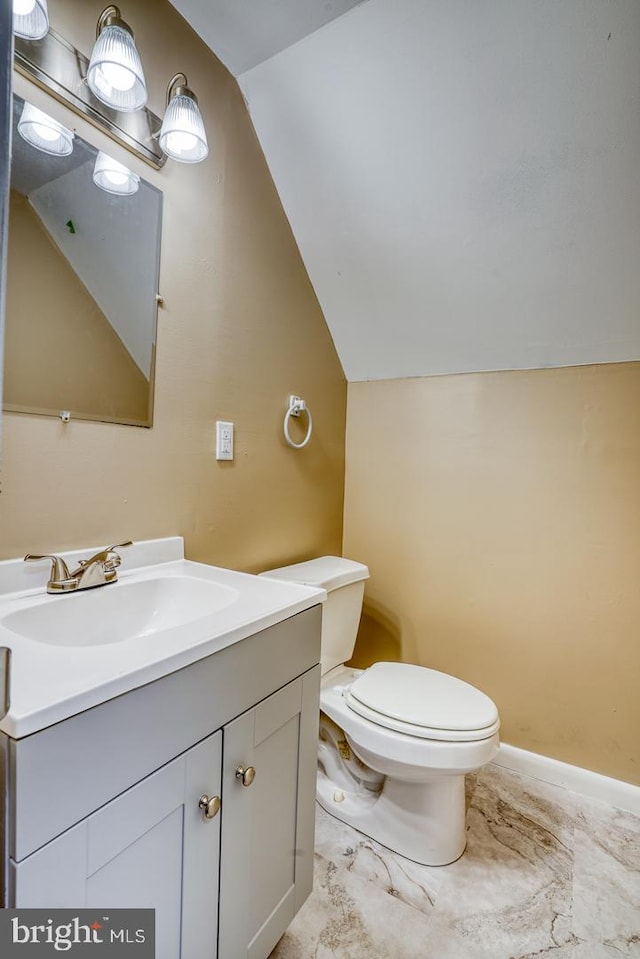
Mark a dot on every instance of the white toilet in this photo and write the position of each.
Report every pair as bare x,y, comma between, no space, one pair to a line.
396,740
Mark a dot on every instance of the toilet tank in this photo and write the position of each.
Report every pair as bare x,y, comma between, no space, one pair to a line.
344,580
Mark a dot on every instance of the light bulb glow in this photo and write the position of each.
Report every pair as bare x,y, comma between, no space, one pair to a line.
23,7
47,133
43,132
180,142
117,179
112,75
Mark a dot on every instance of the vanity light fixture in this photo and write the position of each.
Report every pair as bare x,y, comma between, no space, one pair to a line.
115,74
30,19
183,136
114,177
44,133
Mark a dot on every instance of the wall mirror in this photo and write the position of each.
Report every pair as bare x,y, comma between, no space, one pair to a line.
82,284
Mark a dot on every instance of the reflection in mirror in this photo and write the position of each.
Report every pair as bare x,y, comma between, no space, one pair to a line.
82,280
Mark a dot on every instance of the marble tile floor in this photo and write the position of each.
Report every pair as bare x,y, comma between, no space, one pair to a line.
546,873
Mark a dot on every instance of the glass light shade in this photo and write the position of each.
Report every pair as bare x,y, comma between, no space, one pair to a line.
114,177
115,73
183,136
44,133
30,19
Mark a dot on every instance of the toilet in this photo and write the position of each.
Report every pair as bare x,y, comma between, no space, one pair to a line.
395,740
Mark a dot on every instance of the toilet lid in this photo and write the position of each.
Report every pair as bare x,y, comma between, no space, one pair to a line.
400,695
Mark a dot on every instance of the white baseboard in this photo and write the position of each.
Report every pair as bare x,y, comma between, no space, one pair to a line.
613,791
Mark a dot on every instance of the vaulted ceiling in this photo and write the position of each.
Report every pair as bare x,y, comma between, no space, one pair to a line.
243,33
462,176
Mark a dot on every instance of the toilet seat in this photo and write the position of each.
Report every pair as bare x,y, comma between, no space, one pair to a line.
422,702
420,757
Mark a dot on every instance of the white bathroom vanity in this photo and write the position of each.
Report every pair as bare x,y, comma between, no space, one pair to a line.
173,769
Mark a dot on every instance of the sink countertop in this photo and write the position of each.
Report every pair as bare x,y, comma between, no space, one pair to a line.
51,682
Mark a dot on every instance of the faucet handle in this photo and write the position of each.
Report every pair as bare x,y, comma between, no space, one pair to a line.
113,561
107,557
103,554
59,569
60,579
110,549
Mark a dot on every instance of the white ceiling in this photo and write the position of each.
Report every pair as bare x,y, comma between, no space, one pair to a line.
243,33
463,180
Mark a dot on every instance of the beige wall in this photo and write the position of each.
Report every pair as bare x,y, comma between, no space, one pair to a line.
241,329
500,516
60,351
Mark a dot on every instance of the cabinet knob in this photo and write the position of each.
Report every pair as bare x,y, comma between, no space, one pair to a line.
210,807
246,774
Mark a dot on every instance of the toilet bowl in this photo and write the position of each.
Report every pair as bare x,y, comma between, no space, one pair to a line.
396,740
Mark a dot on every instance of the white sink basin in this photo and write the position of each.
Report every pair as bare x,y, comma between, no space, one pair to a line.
120,612
73,651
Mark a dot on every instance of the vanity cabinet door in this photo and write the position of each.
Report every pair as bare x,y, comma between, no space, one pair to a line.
152,847
268,825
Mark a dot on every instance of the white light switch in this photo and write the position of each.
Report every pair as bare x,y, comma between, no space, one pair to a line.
224,441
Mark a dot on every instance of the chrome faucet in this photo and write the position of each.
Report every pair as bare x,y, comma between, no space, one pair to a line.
98,570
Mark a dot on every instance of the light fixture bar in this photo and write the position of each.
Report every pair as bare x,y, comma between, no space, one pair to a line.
59,68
